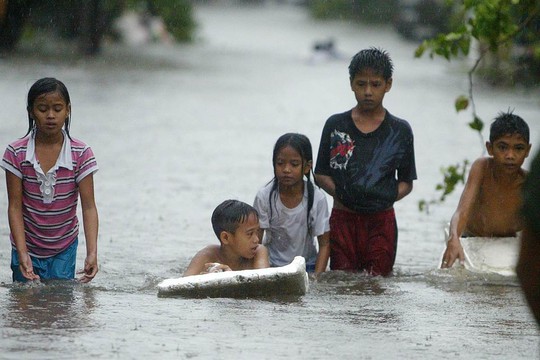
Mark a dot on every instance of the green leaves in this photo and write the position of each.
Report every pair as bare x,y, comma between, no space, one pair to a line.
462,103
492,23
446,45
476,124
453,175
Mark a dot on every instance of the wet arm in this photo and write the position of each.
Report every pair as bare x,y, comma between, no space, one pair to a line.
324,253
198,263
404,189
459,221
16,224
327,183
261,258
91,224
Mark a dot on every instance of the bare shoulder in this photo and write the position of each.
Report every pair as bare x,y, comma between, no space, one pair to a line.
261,249
495,207
482,164
207,254
260,261
479,169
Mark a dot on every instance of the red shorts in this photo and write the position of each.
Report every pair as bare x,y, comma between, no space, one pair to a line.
363,242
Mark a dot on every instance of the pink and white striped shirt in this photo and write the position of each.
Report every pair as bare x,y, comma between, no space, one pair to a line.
49,200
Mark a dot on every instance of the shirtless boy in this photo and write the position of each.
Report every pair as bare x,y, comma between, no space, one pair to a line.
236,225
491,200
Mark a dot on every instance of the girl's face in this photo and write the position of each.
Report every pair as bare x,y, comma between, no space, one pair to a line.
290,168
50,112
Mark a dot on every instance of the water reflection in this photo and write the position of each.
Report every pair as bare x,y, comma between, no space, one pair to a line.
349,283
62,305
371,317
461,280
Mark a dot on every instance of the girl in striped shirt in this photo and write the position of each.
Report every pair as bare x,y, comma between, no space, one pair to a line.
46,172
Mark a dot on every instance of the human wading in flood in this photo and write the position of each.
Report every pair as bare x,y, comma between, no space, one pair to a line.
366,163
292,212
46,171
490,203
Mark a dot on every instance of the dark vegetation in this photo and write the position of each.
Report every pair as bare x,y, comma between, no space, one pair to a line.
85,21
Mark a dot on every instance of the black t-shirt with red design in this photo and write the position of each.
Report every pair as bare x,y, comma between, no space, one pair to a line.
366,168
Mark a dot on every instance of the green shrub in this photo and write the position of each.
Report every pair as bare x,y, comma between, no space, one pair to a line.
178,17
176,14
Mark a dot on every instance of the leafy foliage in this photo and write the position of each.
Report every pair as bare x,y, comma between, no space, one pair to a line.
493,24
176,14
452,176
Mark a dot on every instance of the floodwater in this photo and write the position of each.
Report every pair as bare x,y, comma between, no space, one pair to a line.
178,129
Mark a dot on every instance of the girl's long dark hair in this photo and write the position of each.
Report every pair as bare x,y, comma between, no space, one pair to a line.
302,145
41,87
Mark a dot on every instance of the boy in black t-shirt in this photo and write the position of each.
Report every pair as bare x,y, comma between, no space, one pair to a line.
366,163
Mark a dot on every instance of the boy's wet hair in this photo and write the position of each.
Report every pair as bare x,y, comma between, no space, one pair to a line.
375,59
228,215
45,86
507,123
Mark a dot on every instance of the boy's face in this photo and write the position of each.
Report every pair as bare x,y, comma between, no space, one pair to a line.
369,89
509,152
245,240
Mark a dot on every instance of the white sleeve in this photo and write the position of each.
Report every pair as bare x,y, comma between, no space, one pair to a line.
261,205
321,221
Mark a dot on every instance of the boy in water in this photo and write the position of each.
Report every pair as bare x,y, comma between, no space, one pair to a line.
490,203
366,163
236,225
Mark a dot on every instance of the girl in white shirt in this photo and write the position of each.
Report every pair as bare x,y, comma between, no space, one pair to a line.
292,211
